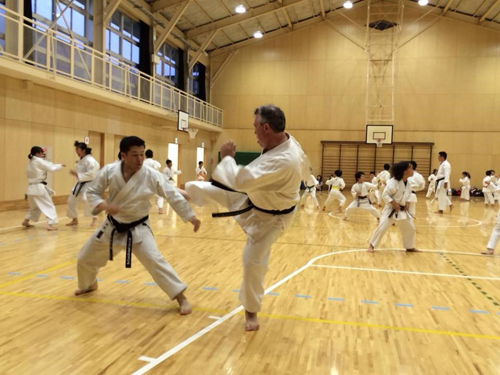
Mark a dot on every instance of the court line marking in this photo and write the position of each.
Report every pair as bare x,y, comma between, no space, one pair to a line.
478,222
214,317
163,357
146,359
407,272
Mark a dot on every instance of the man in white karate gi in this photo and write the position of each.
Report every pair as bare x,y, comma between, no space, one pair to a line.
262,195
169,172
396,196
131,186
443,183
152,163
201,172
382,179
417,183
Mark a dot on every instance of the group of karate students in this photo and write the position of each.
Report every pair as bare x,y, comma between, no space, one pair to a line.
261,196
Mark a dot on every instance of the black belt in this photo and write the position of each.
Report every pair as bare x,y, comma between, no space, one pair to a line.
363,197
437,183
309,188
122,228
394,212
36,183
246,209
78,187
413,192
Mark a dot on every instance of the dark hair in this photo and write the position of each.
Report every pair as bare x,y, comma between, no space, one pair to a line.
488,173
149,153
169,161
320,177
466,174
358,175
434,170
398,169
492,171
372,172
119,155
273,116
443,154
414,164
129,142
338,173
387,167
82,146
34,150
200,162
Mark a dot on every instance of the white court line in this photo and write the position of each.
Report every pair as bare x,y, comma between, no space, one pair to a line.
214,317
406,272
146,359
229,315
477,224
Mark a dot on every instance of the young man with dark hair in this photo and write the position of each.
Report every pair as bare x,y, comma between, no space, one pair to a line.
170,173
417,183
396,196
201,172
360,191
443,183
336,184
131,186
382,179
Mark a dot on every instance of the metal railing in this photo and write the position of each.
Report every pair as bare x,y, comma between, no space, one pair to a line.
36,44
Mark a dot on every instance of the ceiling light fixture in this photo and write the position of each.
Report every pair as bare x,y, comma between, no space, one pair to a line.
423,3
348,4
240,9
257,35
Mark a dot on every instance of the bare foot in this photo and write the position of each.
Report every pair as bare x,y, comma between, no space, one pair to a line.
51,228
340,209
252,321
94,222
72,222
488,252
83,291
344,218
438,212
324,208
26,223
371,249
413,250
451,208
184,306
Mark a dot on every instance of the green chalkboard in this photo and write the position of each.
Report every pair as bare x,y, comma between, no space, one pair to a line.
244,157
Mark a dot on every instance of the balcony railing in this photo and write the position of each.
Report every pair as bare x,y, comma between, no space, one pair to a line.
33,43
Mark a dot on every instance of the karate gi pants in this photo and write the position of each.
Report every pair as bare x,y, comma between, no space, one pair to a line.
489,198
442,195
364,205
95,254
431,190
406,227
465,194
495,235
335,195
73,202
309,194
41,204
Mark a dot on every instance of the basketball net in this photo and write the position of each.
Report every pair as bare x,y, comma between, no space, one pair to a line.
192,132
379,142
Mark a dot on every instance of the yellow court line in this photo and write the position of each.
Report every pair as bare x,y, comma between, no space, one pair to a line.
103,301
369,325
24,278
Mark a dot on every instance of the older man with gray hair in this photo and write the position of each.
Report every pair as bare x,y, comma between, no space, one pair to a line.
261,196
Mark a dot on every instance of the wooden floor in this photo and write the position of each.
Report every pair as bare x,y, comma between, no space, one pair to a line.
332,308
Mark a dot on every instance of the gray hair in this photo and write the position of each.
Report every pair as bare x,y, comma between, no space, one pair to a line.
273,116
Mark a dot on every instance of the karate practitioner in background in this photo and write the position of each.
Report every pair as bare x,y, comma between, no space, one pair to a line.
443,183
201,172
382,179
151,163
131,186
465,181
336,184
432,184
373,194
170,173
85,171
488,189
417,183
39,194
310,184
262,195
396,197
361,201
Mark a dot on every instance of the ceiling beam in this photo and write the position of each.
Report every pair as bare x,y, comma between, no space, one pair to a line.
322,5
234,20
225,63
288,20
110,9
448,4
164,4
203,47
170,26
483,18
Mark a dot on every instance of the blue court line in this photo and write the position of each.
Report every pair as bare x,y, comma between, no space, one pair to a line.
42,276
404,304
99,280
369,302
440,308
15,273
302,296
479,311
68,277
209,288
273,294
236,290
335,299
122,281
151,284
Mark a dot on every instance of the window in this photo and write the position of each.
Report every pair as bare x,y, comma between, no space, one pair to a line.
196,81
122,38
167,68
2,26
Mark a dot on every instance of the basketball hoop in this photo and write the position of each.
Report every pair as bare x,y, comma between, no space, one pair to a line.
192,132
378,142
